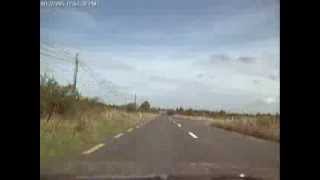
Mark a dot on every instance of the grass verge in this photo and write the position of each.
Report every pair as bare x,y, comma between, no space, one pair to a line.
61,137
262,127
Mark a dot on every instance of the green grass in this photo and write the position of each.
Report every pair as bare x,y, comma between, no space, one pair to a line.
66,138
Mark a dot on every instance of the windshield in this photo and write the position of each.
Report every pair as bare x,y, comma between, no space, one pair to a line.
170,89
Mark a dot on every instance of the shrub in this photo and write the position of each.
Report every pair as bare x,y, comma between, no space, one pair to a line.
145,106
57,99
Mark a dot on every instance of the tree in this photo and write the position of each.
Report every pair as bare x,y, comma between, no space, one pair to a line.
222,113
180,109
145,106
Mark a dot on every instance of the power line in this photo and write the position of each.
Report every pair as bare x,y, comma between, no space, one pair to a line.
55,57
110,86
91,73
51,48
55,50
56,53
48,51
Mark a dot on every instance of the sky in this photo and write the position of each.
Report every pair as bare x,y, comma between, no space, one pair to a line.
206,54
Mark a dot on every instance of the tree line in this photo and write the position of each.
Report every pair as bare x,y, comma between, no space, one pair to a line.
219,113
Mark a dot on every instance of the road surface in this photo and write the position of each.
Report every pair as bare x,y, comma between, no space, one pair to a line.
171,148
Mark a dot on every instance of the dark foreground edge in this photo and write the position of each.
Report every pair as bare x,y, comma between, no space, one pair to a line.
151,177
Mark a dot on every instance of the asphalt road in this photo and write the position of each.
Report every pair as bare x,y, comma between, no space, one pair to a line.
171,148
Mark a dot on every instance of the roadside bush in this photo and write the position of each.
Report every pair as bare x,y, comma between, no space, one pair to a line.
57,99
145,106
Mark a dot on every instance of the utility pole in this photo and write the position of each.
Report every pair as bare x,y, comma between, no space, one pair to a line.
75,74
135,101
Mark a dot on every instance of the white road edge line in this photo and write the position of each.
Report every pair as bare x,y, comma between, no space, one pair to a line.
129,130
118,135
93,149
193,135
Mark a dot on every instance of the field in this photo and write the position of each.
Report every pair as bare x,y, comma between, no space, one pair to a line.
261,126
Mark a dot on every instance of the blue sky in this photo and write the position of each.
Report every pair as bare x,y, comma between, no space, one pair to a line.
211,54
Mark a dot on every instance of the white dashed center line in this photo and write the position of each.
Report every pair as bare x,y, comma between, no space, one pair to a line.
193,135
242,175
119,135
190,133
93,149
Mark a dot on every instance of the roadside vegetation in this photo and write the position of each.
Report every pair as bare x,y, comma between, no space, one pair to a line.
264,126
71,123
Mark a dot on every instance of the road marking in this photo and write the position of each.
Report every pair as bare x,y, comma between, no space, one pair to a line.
179,125
242,175
119,135
93,149
129,130
193,135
